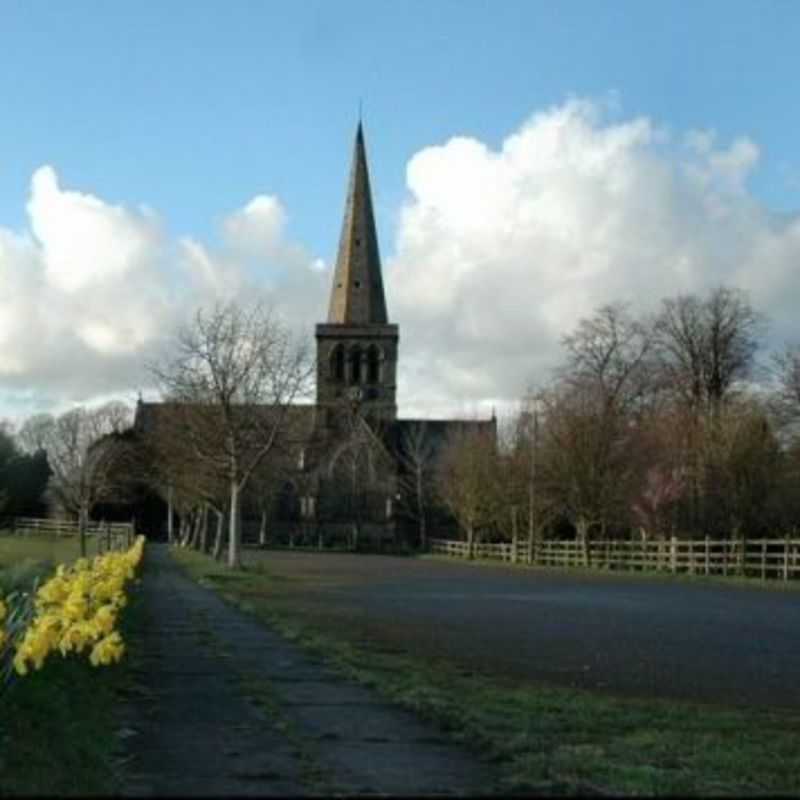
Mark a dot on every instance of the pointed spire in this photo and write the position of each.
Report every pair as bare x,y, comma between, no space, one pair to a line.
357,294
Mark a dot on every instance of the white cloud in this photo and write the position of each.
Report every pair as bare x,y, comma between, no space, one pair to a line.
500,252
258,227
87,296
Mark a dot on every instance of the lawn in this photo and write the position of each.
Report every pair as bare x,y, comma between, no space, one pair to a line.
546,740
25,556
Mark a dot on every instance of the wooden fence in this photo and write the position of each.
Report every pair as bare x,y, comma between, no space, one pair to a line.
108,535
762,558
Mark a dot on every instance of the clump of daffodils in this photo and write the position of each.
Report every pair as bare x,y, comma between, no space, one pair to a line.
76,611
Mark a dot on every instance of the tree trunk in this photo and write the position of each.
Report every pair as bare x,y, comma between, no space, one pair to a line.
582,528
169,516
83,519
235,528
354,536
217,550
184,530
470,541
204,531
421,512
198,521
262,531
514,537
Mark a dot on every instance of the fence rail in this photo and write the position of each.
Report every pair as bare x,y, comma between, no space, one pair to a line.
763,558
108,535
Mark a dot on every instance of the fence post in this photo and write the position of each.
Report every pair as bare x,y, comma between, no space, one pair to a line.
742,557
763,559
708,554
786,558
673,553
514,534
725,550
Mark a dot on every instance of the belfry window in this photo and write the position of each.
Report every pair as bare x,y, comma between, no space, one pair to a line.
337,363
355,365
374,364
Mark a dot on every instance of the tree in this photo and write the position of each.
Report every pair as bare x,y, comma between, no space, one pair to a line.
234,372
359,474
89,455
743,462
786,371
467,481
187,484
662,489
611,353
8,454
706,348
415,456
526,495
708,345
589,458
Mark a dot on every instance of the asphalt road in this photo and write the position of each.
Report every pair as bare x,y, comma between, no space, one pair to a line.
621,633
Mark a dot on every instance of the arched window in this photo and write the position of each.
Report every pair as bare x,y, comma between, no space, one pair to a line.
355,364
374,364
337,363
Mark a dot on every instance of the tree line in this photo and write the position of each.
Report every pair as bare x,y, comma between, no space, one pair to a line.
652,425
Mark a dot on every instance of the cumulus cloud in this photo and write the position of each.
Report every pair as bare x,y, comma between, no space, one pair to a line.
497,253
500,252
87,295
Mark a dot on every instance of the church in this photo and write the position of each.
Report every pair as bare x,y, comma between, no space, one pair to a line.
345,477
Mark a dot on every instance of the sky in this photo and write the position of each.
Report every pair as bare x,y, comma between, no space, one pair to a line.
530,161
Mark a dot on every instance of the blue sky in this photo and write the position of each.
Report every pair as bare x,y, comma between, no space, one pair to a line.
194,108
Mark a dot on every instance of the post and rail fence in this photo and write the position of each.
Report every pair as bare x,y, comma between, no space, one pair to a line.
108,535
761,558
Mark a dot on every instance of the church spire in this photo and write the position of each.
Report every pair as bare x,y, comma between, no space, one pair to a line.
357,294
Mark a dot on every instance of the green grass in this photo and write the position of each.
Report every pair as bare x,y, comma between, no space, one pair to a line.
544,740
58,732
740,581
58,726
24,557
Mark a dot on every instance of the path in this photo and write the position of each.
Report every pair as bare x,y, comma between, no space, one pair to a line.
223,706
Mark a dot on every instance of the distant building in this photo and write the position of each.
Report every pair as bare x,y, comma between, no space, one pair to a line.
346,460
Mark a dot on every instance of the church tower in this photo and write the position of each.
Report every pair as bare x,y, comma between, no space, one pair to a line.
357,346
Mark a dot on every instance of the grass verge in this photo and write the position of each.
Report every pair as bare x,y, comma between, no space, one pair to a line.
544,740
59,729
663,576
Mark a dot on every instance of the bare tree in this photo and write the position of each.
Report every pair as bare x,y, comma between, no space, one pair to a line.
183,481
742,462
358,469
90,459
708,345
786,371
415,455
662,489
589,458
467,482
527,496
612,353
239,370
268,480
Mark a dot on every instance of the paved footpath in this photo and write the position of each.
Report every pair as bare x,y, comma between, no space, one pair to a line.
223,706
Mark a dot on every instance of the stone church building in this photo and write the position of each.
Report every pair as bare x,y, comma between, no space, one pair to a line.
345,473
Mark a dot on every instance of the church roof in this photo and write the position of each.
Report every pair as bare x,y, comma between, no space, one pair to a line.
438,431
357,296
153,418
